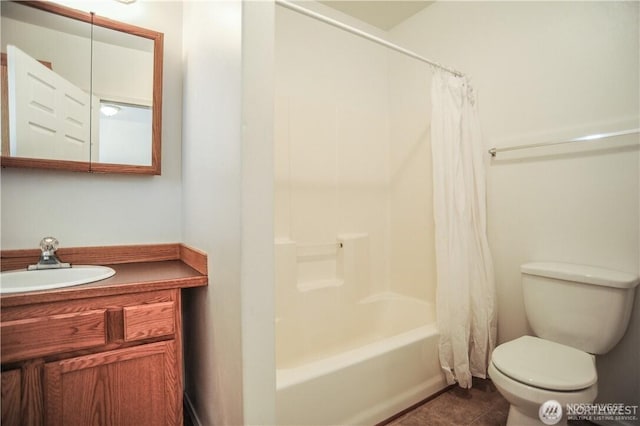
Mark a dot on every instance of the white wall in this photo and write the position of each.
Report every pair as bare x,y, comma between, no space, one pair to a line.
228,204
212,206
83,209
258,274
546,71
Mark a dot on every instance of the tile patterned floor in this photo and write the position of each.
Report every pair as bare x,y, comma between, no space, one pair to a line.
482,405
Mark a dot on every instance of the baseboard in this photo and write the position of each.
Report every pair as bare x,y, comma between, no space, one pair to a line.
190,412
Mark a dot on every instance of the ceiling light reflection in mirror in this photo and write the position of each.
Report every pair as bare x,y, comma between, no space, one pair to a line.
128,130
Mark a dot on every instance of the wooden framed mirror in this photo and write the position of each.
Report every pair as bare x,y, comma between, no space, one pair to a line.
79,91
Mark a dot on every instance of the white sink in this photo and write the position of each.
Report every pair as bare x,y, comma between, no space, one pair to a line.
47,279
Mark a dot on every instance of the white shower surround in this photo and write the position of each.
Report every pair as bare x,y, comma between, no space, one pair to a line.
356,340
348,328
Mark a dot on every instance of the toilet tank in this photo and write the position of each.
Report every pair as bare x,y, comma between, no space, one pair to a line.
581,306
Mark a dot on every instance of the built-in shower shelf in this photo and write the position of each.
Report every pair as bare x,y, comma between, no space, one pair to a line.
307,267
306,251
318,284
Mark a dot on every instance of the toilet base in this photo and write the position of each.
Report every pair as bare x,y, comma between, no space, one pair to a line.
518,418
525,401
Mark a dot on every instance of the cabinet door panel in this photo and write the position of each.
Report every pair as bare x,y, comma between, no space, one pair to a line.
11,398
134,386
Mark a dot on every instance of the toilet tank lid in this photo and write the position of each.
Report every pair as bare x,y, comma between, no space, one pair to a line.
581,273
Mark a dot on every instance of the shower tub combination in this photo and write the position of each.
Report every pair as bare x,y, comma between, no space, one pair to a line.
345,356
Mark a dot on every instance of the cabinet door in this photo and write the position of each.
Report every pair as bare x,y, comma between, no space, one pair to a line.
22,395
11,398
133,386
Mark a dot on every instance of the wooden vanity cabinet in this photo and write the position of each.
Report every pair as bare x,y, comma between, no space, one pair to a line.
113,360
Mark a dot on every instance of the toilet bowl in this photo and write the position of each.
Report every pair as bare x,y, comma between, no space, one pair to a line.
530,371
576,312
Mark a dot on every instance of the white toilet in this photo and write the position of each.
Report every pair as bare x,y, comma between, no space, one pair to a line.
577,312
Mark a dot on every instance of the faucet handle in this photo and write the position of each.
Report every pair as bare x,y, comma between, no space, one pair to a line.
48,259
49,245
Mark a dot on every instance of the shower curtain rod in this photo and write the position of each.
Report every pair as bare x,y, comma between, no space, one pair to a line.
494,151
363,34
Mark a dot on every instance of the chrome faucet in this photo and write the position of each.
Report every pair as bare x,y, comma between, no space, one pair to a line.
48,259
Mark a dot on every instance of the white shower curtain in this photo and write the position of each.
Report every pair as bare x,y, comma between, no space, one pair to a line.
465,301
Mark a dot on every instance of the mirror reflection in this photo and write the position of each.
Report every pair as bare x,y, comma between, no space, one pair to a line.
122,78
46,76
78,92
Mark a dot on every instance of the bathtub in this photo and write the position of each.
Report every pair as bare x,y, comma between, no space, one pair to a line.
360,366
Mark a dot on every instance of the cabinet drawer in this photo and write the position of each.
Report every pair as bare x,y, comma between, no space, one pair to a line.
46,335
145,321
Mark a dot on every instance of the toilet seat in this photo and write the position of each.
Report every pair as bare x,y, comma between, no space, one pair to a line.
544,364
